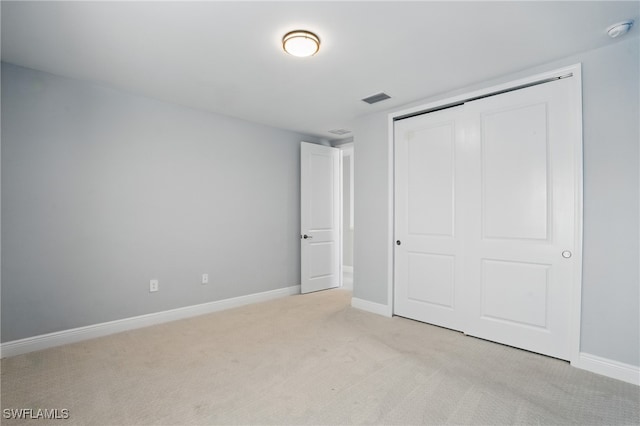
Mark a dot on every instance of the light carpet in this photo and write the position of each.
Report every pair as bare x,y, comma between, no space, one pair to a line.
308,359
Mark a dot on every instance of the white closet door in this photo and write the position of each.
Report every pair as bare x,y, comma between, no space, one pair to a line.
429,267
523,219
485,211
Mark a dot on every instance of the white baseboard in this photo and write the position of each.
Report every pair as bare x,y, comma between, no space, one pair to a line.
610,368
58,338
376,308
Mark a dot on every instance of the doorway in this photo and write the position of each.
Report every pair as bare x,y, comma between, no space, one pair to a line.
346,168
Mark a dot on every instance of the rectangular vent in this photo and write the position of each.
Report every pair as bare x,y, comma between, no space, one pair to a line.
340,131
376,98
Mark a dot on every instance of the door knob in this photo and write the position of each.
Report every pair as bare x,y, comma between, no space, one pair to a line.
305,236
566,254
398,242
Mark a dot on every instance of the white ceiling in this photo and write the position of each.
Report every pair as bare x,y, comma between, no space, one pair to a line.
226,57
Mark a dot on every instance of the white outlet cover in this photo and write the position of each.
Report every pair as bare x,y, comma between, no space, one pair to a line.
205,278
153,286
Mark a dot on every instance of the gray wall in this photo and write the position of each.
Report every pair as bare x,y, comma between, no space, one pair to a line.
610,290
371,198
103,190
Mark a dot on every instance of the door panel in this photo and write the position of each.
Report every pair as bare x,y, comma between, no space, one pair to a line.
322,255
519,284
524,285
320,204
321,171
431,279
514,168
430,180
428,262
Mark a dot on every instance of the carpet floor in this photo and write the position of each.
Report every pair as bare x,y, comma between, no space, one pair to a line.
307,359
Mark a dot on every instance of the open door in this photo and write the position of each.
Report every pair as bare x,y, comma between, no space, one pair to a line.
320,217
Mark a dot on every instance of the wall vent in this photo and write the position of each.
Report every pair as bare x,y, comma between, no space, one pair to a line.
340,132
376,98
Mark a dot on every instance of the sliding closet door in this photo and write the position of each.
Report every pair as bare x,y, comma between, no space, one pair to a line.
522,226
485,215
428,261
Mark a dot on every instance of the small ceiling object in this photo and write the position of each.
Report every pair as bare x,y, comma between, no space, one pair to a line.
301,43
376,98
340,132
619,29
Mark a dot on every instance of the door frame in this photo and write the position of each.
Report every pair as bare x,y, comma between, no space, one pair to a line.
576,286
346,150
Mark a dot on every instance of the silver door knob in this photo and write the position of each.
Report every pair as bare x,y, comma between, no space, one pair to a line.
566,254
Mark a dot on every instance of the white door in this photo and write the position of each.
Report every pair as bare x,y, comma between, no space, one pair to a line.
429,263
486,217
320,213
524,218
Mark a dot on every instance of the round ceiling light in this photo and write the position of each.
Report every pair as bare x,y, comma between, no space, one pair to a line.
621,28
301,43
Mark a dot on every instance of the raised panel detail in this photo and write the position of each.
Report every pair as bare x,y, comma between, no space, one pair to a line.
514,169
515,292
321,209
431,180
322,255
431,278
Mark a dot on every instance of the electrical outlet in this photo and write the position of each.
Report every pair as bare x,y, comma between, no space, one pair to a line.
205,278
153,286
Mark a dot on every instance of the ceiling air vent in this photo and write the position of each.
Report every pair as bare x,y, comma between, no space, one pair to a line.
376,98
340,132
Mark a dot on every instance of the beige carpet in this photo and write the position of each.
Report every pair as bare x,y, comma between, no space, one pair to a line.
308,359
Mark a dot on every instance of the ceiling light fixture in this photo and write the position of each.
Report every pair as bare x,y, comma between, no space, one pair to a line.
301,43
619,29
